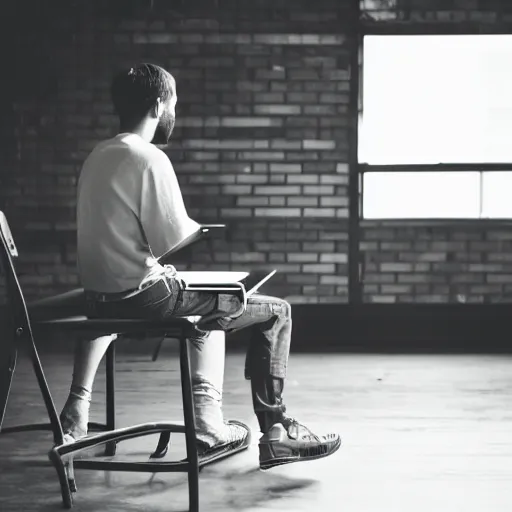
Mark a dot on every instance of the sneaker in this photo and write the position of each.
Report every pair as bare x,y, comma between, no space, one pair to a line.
291,441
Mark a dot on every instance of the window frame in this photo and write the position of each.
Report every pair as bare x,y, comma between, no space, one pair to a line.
379,28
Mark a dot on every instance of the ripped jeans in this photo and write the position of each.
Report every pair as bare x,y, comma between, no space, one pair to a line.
269,319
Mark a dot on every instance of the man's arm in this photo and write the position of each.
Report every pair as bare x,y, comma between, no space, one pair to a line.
164,217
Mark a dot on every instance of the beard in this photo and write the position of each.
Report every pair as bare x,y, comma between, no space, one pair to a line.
164,130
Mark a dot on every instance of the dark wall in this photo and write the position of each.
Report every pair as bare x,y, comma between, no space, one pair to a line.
262,143
261,140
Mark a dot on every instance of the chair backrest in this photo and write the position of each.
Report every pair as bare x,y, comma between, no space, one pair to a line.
14,321
16,309
15,328
6,232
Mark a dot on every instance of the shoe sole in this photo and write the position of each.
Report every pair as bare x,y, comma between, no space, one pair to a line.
290,460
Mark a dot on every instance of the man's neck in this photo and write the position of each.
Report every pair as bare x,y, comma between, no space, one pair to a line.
142,129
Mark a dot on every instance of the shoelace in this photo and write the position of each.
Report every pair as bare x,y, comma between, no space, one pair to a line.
294,428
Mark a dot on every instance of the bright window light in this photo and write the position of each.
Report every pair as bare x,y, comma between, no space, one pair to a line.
420,195
436,99
497,195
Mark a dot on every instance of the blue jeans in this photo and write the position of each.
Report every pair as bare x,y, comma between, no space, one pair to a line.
269,319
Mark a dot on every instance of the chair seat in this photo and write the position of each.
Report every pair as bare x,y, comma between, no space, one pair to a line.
169,327
68,304
66,311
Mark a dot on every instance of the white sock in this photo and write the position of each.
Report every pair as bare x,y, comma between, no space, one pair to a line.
211,428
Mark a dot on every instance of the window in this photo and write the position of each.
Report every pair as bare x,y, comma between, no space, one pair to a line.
413,194
497,195
431,100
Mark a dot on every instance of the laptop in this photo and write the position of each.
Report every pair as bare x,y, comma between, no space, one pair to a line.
255,280
252,281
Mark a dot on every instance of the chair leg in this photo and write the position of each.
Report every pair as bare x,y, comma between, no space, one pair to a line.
8,356
190,426
156,352
53,415
162,447
67,496
110,448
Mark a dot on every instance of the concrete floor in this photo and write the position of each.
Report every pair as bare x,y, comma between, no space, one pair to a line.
420,433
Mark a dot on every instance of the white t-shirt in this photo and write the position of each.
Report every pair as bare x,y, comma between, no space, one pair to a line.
130,211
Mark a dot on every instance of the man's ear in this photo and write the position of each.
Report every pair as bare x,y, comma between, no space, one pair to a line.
157,108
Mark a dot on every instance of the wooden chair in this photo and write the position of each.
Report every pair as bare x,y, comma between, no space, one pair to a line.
65,312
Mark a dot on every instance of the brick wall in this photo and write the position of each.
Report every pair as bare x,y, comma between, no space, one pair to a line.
260,140
465,263
485,12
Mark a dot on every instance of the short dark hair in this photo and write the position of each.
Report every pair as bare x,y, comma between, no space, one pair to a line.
135,91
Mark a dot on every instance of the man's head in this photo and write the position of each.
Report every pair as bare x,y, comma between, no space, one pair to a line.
146,94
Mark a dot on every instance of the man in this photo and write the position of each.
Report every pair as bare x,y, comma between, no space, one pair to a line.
130,212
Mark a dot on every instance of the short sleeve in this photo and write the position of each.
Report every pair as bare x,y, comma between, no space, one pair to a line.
163,214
